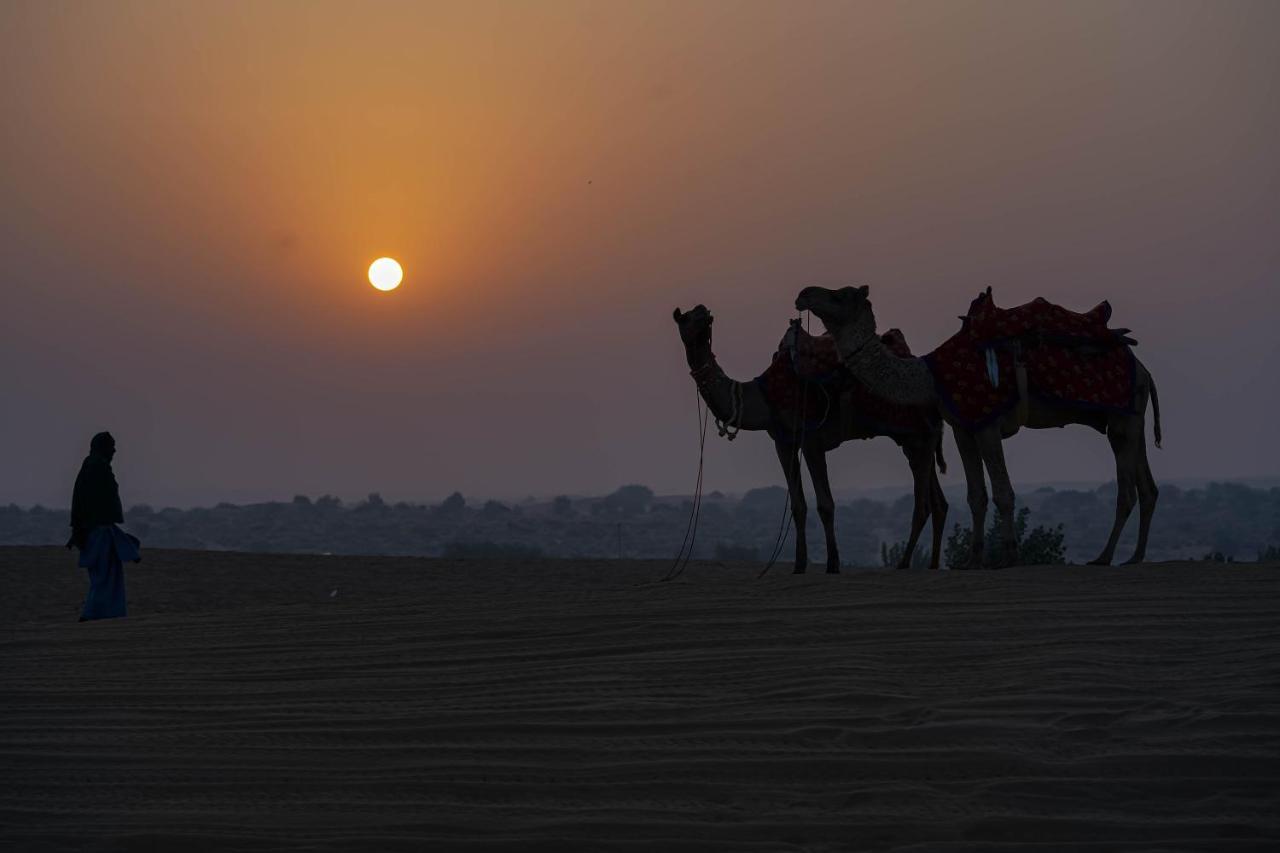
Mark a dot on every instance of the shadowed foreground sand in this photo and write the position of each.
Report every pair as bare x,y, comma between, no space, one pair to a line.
576,705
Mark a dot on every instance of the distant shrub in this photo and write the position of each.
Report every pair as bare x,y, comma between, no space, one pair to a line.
956,552
729,552
562,505
1043,546
767,499
1269,554
1218,557
455,503
630,500
484,550
495,508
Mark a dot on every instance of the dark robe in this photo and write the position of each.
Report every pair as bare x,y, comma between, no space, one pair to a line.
95,501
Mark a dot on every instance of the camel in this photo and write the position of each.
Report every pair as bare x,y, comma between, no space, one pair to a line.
848,315
743,405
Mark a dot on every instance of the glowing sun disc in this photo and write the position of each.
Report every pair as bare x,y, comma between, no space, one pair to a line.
385,274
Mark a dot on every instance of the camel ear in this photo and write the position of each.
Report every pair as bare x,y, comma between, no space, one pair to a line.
864,290
675,315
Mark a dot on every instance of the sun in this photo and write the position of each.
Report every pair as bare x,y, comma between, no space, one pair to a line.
385,274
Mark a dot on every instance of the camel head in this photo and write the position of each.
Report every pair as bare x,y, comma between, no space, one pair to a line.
837,309
695,326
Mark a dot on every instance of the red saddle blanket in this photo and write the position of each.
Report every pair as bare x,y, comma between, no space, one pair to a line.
807,384
1070,359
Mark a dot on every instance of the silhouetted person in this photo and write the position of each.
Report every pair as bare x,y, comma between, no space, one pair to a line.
95,512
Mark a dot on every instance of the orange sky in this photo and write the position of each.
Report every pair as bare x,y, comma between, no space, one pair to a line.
193,192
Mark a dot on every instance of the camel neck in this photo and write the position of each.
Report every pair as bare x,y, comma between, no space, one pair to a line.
906,381
725,396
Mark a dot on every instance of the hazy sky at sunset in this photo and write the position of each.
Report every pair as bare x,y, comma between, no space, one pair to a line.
192,192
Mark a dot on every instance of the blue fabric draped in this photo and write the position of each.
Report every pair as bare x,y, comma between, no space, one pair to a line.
103,555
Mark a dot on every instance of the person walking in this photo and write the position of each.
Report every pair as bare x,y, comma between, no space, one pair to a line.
95,512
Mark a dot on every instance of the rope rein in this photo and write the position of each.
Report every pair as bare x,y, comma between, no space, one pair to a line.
685,554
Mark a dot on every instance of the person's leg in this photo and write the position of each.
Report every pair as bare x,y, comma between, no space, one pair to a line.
106,598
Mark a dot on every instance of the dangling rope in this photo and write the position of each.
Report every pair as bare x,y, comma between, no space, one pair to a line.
691,529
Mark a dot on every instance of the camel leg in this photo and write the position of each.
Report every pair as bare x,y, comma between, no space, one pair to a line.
1121,440
976,487
991,446
1147,496
789,456
816,459
920,489
938,509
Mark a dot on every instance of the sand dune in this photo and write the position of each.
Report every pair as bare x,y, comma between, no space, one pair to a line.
578,705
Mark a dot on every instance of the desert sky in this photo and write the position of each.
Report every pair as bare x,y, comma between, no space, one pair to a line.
192,193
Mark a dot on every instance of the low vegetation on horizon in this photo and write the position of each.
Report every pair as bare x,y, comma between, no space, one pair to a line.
1222,521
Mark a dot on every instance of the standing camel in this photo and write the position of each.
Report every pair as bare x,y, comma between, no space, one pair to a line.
743,405
847,314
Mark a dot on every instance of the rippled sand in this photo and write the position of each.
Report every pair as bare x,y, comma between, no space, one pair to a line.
246,705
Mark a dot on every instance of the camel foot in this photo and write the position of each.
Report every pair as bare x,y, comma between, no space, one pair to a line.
798,570
833,570
1101,561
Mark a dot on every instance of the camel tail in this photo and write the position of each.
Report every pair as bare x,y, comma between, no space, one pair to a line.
942,463
1155,407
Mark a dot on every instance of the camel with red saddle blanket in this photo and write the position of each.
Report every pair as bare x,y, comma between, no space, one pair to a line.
1038,366
812,415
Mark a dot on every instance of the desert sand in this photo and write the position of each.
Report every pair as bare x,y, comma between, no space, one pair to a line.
260,702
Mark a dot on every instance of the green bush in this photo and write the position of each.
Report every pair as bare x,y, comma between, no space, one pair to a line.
1041,546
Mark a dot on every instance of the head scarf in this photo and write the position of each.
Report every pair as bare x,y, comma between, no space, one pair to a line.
102,443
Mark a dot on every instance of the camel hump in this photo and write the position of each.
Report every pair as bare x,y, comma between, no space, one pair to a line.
897,343
990,324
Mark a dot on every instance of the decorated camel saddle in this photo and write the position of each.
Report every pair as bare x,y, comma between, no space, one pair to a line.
1004,356
806,384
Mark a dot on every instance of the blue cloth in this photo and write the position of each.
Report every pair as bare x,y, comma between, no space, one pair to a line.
103,555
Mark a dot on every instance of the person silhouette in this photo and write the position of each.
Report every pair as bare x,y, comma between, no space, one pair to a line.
95,512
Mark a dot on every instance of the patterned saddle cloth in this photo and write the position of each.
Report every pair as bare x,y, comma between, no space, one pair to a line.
806,383
1066,358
